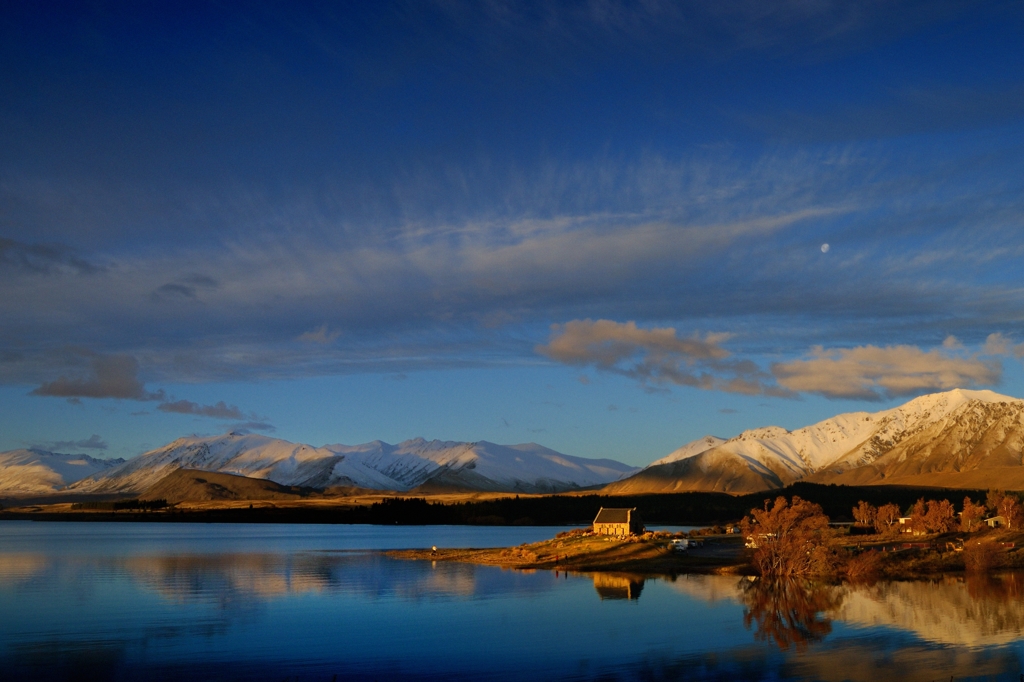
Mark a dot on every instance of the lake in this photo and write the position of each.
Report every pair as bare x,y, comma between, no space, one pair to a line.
139,601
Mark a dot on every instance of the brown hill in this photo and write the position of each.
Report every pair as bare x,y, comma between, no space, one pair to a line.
193,485
716,470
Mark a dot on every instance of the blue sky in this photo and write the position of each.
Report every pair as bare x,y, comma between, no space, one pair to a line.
598,226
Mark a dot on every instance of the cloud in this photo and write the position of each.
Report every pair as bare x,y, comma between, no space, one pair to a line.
997,344
186,288
43,258
605,343
219,411
710,236
116,376
656,357
245,427
93,442
874,373
110,376
320,335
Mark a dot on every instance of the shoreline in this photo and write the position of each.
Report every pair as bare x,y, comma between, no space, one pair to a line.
582,551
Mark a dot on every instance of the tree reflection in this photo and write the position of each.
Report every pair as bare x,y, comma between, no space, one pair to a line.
789,611
997,588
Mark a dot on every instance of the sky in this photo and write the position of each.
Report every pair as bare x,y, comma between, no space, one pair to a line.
607,227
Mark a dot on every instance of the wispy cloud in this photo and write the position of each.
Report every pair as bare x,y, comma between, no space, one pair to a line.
711,236
321,335
219,411
43,258
186,288
246,427
93,442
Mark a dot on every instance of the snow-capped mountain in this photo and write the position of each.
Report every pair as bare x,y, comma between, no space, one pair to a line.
690,449
426,465
956,439
38,472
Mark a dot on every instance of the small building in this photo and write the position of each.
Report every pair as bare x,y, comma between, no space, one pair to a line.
996,522
618,522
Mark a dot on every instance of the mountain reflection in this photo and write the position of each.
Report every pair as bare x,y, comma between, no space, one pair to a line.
229,578
789,612
982,610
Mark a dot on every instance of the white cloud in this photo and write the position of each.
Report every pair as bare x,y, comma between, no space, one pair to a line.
997,344
655,357
321,335
874,373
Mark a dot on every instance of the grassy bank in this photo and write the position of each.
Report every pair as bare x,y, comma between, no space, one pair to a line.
581,551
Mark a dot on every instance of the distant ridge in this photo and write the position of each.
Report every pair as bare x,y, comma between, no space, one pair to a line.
416,464
39,472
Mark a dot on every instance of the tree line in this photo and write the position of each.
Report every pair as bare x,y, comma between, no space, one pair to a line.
794,537
940,516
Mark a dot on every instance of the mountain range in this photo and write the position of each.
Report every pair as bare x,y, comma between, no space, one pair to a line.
38,472
414,465
956,439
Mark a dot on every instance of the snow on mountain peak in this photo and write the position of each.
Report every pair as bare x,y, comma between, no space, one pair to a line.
375,465
690,449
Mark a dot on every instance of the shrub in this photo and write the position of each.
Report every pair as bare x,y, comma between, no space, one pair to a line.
980,556
864,566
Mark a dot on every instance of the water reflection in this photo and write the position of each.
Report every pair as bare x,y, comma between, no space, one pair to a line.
789,612
313,614
984,610
618,585
255,577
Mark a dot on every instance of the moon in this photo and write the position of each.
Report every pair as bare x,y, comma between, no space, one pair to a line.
825,248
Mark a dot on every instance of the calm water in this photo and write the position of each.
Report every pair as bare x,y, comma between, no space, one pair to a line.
231,602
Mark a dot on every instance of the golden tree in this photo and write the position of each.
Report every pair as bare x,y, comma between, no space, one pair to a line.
1010,509
864,514
972,515
887,519
919,517
993,499
940,517
790,538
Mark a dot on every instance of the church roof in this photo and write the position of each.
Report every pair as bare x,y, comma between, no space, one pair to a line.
613,515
